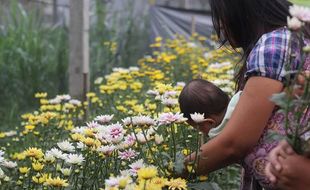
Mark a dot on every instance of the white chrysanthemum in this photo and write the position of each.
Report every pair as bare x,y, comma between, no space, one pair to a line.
218,82
2,175
182,84
99,80
79,130
54,101
103,119
120,69
170,93
301,13
81,146
125,173
169,118
10,133
66,171
134,68
115,133
92,124
152,92
49,157
111,182
294,23
127,154
57,153
66,146
151,131
219,65
107,150
64,97
127,121
75,159
143,120
169,101
130,140
159,139
197,117
142,139
75,102
134,167
1,156
230,72
8,164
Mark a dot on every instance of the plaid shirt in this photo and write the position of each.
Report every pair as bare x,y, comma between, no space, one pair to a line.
269,55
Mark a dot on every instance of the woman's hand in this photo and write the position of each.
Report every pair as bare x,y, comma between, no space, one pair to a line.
298,89
274,167
287,170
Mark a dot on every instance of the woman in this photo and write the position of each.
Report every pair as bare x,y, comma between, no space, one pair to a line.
259,28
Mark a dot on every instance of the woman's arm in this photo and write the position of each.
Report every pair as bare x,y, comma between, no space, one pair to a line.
244,128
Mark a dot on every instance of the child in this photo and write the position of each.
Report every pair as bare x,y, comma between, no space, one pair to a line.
201,96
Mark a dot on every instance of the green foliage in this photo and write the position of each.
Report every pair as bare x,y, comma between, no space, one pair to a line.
301,2
33,58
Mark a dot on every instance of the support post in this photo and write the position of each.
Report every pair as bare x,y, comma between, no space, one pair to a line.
79,49
55,12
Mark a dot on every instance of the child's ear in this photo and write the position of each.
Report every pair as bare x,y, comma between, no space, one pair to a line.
211,122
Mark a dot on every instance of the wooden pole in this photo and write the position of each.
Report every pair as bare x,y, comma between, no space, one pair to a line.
186,4
55,12
79,49
193,23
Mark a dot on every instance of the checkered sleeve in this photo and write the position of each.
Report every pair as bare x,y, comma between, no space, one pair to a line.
268,57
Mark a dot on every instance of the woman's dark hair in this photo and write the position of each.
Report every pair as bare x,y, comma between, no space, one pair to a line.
202,97
243,22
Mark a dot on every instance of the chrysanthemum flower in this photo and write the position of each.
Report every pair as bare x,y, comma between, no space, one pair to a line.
127,154
37,166
104,119
147,173
177,184
74,159
66,146
197,117
34,153
56,182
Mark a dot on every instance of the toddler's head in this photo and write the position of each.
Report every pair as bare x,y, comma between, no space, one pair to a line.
201,96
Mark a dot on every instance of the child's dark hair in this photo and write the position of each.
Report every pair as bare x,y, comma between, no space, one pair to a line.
243,22
202,97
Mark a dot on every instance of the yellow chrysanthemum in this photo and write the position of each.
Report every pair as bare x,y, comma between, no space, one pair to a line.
23,170
147,173
37,166
160,181
56,182
177,184
34,153
40,95
40,179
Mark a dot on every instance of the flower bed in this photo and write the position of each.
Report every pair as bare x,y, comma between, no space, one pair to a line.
134,136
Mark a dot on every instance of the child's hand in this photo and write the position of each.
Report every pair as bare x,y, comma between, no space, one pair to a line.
274,167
